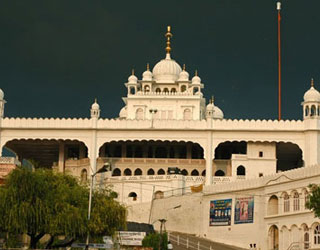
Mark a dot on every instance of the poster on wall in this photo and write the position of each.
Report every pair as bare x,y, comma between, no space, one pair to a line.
220,212
243,210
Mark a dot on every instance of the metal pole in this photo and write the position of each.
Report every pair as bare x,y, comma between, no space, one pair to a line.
279,61
89,209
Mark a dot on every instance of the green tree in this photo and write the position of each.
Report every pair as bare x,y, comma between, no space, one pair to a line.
153,240
42,202
313,202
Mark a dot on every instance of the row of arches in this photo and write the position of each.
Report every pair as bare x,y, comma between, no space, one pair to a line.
46,152
292,202
304,236
161,171
311,111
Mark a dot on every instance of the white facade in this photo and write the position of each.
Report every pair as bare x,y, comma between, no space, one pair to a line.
166,123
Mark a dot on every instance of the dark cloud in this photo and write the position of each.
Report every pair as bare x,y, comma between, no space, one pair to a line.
56,56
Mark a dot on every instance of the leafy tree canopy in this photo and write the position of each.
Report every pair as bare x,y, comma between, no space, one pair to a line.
313,202
43,202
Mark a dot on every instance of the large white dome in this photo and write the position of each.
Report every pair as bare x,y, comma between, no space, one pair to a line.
1,94
312,95
166,70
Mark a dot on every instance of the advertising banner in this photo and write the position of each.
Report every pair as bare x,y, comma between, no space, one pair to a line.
243,210
220,212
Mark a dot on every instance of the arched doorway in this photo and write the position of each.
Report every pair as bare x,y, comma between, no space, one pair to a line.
273,238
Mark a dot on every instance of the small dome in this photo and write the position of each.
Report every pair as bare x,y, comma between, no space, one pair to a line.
147,75
1,94
166,70
95,105
210,107
196,79
184,76
132,79
217,113
312,95
123,112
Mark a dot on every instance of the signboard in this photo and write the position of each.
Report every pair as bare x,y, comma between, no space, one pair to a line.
243,211
91,245
127,238
220,212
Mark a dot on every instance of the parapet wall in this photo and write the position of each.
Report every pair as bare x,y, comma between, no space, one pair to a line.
85,123
290,175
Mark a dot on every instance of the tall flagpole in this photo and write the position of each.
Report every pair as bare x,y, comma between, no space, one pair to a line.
279,61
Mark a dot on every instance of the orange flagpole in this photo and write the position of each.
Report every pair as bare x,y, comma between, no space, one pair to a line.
279,61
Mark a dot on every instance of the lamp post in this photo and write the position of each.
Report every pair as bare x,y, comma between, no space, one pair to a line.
105,168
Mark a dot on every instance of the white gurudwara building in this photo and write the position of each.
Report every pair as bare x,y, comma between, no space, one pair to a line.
174,156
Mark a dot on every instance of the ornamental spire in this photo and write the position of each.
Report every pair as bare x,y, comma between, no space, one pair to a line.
312,82
168,35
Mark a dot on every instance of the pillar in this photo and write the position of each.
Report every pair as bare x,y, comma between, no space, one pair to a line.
61,156
123,150
189,150
103,151
82,151
209,159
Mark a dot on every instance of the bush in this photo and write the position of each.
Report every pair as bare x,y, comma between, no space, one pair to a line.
152,240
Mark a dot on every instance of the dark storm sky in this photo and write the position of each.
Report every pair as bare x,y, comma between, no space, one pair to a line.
57,56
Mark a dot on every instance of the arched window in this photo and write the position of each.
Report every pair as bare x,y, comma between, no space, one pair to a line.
195,172
316,235
203,173
273,205
313,110
296,202
161,171
166,90
219,173
187,114
127,172
184,172
286,203
132,90
133,195
173,90
241,170
84,176
139,114
158,90
306,238
158,195
195,90
116,172
150,172
138,171
307,111
146,88
183,88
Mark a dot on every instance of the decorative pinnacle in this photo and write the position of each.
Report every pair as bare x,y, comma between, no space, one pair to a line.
132,72
184,67
168,35
212,99
148,68
196,73
95,100
312,82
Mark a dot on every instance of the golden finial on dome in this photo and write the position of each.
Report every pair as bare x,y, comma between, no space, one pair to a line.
168,35
212,99
184,67
132,72
196,73
312,82
148,67
95,100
